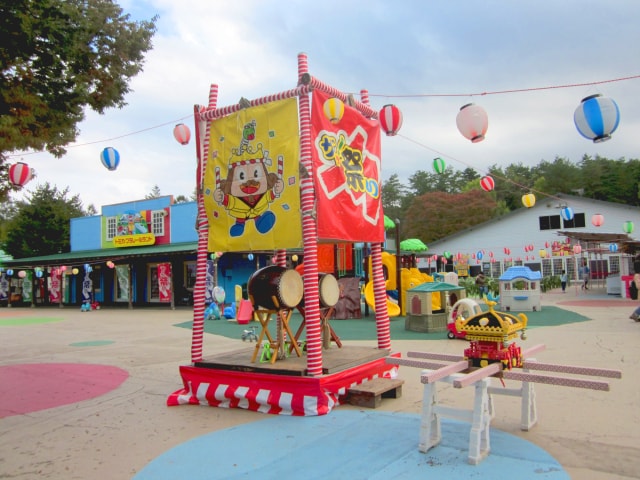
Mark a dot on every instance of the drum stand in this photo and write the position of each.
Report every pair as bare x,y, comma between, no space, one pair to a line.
277,346
328,333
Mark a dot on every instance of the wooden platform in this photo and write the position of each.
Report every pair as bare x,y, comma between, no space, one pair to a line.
334,360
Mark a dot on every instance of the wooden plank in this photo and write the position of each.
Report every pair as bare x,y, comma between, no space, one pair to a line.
558,381
479,374
577,370
407,362
436,356
527,352
436,375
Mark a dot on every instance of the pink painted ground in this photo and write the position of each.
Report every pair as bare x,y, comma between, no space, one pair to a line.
31,387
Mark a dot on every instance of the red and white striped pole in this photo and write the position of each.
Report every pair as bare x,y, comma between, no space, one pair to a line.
309,232
199,289
379,290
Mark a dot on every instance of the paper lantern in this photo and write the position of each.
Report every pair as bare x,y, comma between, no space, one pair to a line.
487,183
9,271
182,133
333,109
447,254
438,165
472,122
22,274
38,273
63,268
577,249
390,119
529,200
75,271
479,255
613,247
110,158
628,226
567,214
250,256
596,118
542,253
20,174
294,258
597,220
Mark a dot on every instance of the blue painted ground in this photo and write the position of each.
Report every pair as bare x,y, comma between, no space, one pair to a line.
347,444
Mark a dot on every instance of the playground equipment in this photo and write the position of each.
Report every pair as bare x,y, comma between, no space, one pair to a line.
464,308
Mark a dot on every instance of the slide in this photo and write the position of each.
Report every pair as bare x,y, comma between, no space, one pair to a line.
392,308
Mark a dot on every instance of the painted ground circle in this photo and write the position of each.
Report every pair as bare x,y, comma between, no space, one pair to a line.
39,386
348,444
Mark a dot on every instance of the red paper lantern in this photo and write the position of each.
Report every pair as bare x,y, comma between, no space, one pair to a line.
390,119
472,122
597,220
182,133
487,183
20,174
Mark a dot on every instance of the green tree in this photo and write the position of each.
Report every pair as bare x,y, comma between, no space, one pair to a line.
40,225
155,193
392,194
56,59
435,215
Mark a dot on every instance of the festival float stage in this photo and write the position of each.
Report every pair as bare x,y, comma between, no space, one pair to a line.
232,380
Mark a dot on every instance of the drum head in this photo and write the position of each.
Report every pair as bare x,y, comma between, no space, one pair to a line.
329,290
290,288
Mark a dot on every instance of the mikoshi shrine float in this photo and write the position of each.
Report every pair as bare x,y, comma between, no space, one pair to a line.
288,171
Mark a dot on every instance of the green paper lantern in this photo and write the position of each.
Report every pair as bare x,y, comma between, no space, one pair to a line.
628,226
438,165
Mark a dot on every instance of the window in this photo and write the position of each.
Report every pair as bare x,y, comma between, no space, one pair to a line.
576,222
157,222
112,228
551,222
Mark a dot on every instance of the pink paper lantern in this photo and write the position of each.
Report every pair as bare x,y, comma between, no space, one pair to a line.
577,249
597,220
182,133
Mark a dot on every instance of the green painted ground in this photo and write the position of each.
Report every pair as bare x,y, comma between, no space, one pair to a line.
365,328
17,321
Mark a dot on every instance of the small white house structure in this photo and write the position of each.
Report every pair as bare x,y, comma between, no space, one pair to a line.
520,290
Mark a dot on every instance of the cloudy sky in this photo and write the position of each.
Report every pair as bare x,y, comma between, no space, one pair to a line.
429,58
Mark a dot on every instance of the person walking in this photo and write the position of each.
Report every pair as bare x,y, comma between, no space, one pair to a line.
563,281
481,282
633,288
585,276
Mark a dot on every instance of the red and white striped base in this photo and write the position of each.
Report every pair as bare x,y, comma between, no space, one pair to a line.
275,394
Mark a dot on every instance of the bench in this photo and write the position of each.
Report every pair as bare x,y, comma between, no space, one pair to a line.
370,394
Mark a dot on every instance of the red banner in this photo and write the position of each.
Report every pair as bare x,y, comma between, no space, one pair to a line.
346,158
164,282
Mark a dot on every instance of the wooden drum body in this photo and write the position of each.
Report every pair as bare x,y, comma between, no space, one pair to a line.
328,290
275,288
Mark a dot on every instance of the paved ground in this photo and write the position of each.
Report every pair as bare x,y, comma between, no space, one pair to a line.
118,434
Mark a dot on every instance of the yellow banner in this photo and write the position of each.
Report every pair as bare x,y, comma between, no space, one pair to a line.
251,183
134,240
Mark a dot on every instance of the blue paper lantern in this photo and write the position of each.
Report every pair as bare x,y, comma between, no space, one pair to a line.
596,118
613,247
567,214
479,255
110,158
